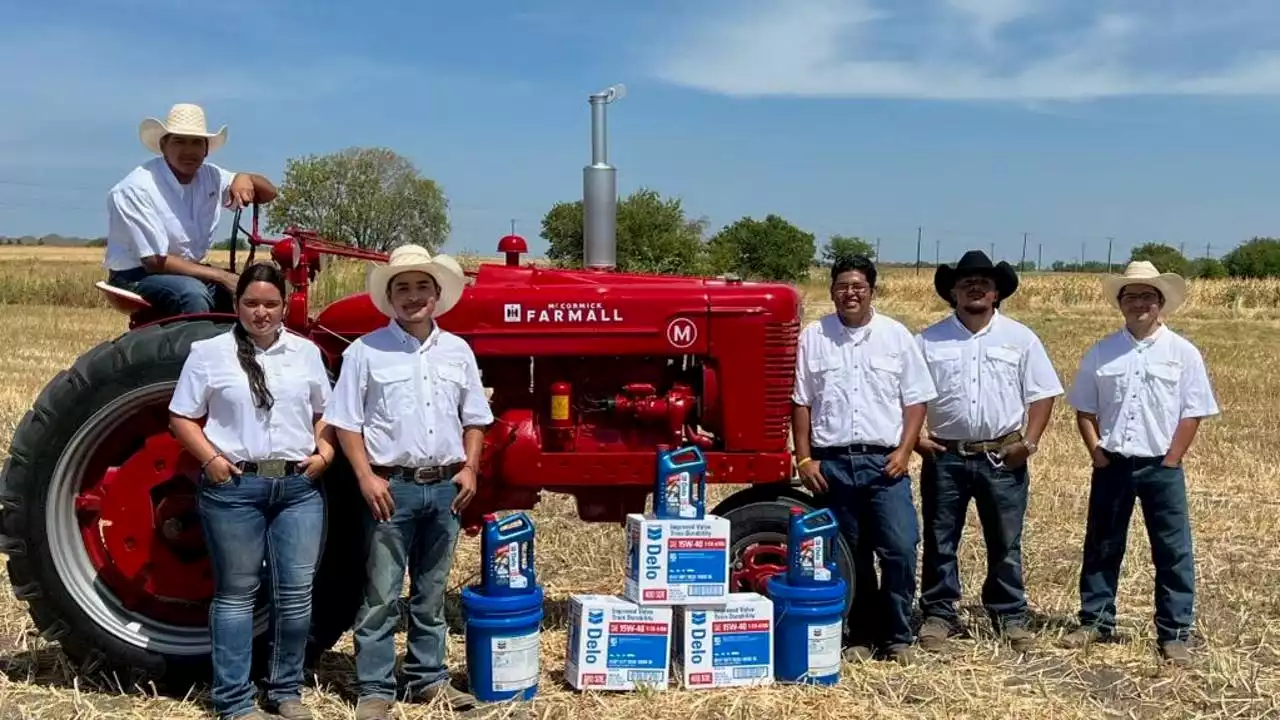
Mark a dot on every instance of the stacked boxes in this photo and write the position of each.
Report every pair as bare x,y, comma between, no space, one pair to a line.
675,604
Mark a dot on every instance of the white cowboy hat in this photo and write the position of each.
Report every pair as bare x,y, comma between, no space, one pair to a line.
446,271
1172,285
183,119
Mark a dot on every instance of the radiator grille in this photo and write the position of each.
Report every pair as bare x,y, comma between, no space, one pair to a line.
779,377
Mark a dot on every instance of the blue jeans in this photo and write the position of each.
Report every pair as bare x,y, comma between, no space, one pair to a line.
173,294
245,520
947,483
421,535
1163,494
878,520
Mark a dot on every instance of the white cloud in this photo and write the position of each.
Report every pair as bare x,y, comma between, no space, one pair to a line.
1002,50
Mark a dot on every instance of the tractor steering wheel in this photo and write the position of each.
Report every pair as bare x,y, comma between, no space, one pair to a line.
253,236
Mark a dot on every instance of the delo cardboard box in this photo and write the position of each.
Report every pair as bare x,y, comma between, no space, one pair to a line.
676,562
617,645
726,646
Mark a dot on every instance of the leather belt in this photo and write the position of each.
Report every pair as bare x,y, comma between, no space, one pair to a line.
854,449
421,475
978,447
269,468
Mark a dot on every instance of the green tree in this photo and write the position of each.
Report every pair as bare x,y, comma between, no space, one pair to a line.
845,246
653,235
1164,257
368,197
1258,258
1208,268
771,249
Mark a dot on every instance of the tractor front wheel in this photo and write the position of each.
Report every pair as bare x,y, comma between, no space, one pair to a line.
98,517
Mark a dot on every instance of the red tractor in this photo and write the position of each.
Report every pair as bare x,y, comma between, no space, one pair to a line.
97,499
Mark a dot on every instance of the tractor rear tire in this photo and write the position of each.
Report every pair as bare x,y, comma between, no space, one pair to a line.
130,380
759,534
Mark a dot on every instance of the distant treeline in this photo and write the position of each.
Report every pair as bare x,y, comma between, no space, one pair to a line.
54,240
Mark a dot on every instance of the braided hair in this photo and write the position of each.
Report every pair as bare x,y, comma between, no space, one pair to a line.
245,352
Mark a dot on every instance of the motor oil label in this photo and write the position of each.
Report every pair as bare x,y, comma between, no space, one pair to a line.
824,649
813,558
617,645
727,646
515,662
673,562
679,495
506,566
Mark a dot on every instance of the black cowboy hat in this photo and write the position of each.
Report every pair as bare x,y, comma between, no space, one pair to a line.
976,262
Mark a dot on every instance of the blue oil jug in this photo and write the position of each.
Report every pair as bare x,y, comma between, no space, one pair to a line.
506,555
681,486
811,539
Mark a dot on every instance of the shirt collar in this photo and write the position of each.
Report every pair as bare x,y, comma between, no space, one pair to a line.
280,345
995,317
860,334
1147,342
410,342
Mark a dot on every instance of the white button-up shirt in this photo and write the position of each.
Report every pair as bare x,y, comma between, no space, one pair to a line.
212,382
150,213
857,380
410,399
986,379
1141,389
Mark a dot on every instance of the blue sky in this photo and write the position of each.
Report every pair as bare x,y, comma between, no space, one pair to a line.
978,120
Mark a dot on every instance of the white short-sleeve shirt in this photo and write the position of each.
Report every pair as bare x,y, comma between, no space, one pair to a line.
1141,389
213,383
986,379
150,213
411,400
856,381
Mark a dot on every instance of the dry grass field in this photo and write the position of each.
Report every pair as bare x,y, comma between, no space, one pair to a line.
49,314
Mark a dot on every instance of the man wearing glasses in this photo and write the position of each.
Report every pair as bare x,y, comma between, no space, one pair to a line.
992,373
859,403
1139,396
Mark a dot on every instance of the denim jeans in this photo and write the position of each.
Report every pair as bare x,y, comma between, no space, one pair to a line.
1163,494
421,535
246,520
947,483
878,520
173,294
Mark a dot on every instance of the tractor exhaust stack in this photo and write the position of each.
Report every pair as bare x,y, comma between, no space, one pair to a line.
600,190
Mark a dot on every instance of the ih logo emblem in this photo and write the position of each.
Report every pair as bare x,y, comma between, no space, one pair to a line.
511,312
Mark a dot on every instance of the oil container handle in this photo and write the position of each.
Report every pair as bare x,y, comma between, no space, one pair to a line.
693,450
823,516
511,524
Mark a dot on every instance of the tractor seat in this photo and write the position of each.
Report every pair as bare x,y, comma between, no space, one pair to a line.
122,300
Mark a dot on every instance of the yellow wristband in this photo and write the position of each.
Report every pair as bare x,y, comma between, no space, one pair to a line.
802,461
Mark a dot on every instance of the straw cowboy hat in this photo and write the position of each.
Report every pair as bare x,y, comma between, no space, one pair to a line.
975,262
407,258
183,119
1171,285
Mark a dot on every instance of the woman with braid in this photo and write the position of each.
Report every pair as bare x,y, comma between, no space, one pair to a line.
263,391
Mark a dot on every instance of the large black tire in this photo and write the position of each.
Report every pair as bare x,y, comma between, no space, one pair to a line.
142,365
764,522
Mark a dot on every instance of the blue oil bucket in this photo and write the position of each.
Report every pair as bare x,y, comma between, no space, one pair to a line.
807,630
681,487
503,642
811,542
506,555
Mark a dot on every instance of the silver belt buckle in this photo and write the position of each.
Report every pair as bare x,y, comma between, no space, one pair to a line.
271,468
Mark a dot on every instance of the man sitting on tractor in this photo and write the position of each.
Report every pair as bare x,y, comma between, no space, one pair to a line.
164,213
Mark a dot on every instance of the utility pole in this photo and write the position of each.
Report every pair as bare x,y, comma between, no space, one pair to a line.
513,226
993,252
1208,249
1040,256
1109,239
1182,249
877,249
919,235
1023,262
1082,256
937,252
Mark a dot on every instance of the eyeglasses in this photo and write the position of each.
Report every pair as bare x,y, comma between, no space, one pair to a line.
850,289
1146,298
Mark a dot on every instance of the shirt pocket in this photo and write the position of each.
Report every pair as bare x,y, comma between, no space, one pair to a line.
396,388
1110,379
830,383
946,365
1164,386
885,373
450,380
1005,365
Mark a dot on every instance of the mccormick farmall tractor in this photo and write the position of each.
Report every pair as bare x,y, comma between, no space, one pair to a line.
97,499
